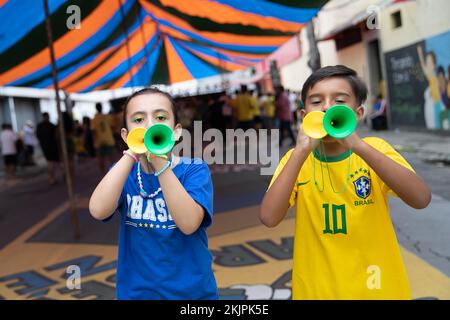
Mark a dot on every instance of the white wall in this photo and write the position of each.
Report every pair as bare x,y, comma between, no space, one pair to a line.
295,73
80,109
355,57
420,19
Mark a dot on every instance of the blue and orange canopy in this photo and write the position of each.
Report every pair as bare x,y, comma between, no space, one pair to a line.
124,43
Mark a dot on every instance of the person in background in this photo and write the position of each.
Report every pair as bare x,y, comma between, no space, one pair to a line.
283,113
227,111
80,148
262,100
256,110
88,137
378,116
293,104
69,132
244,105
8,141
30,141
270,110
103,138
216,115
46,133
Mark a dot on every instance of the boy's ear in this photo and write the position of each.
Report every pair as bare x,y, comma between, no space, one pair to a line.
302,113
124,134
177,131
360,112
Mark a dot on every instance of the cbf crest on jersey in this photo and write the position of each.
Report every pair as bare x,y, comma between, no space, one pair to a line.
362,187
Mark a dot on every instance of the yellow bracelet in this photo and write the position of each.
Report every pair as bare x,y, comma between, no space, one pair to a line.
161,156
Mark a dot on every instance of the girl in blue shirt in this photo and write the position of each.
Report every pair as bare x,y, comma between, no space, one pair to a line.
163,246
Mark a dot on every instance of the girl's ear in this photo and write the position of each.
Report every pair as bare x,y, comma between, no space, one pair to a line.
177,131
124,134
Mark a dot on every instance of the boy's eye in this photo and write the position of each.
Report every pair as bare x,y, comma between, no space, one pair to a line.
315,102
161,118
340,101
138,120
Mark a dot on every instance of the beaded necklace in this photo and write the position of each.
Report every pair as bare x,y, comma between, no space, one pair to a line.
142,192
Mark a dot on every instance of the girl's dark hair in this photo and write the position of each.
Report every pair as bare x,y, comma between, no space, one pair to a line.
149,90
358,86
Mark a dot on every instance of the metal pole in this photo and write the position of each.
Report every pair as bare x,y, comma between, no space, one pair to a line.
144,42
72,205
12,112
314,55
125,33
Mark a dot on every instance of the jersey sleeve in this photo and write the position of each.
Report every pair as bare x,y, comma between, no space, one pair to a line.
385,148
280,167
199,186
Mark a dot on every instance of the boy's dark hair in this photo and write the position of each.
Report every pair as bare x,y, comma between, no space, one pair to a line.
45,115
149,90
339,71
98,106
440,69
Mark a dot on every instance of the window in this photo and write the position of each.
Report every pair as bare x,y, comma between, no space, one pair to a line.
396,20
348,37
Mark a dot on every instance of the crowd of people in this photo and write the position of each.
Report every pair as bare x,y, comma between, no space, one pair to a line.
100,137
17,148
94,138
244,109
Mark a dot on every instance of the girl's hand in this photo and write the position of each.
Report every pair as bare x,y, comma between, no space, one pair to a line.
132,154
157,162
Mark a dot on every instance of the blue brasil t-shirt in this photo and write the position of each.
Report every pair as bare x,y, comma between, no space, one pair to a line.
156,260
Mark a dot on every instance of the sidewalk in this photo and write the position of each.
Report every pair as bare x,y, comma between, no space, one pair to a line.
430,146
25,173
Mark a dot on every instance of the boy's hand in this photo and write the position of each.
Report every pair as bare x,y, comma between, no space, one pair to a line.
304,143
352,142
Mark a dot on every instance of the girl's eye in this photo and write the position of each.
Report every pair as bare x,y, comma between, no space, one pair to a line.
161,118
138,120
315,102
340,101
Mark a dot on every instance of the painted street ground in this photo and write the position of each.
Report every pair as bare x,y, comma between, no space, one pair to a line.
250,260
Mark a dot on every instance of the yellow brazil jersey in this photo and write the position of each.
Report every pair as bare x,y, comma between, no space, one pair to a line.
244,104
102,126
255,103
345,246
270,107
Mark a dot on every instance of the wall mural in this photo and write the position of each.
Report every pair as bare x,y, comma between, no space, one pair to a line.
419,83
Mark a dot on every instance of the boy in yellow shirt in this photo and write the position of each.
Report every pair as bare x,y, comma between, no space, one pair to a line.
345,245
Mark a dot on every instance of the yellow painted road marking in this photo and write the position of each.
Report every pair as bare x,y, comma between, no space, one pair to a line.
20,256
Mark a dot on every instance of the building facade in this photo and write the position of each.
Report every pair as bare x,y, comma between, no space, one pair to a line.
400,48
